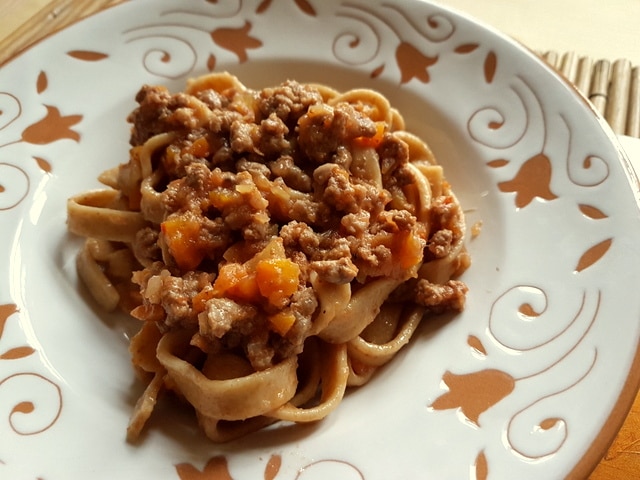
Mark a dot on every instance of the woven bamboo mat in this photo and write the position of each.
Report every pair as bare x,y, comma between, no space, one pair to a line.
53,16
613,87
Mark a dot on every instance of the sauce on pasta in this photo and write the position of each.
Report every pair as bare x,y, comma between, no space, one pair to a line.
276,245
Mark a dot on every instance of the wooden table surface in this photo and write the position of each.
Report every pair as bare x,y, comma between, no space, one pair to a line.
24,22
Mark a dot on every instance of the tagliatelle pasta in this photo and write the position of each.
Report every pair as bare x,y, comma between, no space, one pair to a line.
276,245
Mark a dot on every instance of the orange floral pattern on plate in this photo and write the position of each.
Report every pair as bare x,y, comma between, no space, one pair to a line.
524,180
217,468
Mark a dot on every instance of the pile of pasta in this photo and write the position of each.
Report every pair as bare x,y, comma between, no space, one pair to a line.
277,246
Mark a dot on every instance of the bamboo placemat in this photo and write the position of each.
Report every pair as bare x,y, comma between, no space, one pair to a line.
54,16
613,87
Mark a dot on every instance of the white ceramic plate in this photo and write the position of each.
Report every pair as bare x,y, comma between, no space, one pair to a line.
531,381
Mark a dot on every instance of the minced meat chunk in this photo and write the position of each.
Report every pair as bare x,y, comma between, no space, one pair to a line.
258,194
439,298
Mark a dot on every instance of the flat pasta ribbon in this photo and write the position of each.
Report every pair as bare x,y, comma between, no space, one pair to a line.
277,246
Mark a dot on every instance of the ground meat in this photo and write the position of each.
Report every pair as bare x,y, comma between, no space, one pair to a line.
441,298
444,211
245,167
254,168
243,137
260,352
221,314
273,140
214,237
288,101
338,271
173,293
291,173
303,305
159,112
394,221
299,236
338,191
149,118
213,99
322,129
440,243
356,223
145,247
445,227
393,154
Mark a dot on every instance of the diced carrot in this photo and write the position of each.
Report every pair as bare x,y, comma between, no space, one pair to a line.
267,275
181,236
222,198
277,279
227,274
375,140
246,288
408,249
282,322
235,281
199,148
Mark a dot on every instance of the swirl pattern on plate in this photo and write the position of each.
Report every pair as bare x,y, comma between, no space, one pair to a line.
561,194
